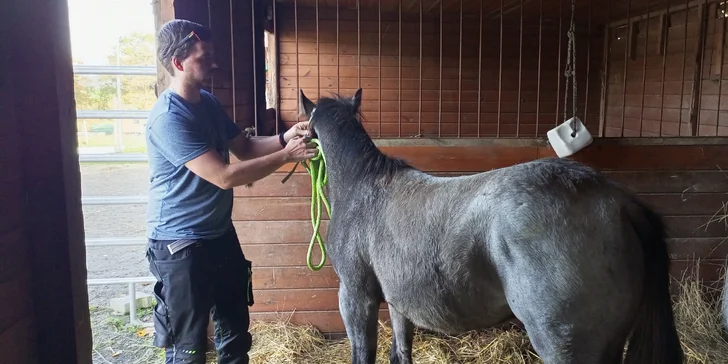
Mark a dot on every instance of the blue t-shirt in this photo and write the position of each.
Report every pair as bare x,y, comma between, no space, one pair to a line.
183,205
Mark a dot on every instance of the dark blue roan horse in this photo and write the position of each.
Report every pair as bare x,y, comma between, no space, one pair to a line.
574,256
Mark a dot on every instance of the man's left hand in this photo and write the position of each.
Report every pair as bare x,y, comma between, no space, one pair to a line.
300,129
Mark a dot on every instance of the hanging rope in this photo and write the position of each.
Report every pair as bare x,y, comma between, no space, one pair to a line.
570,69
319,179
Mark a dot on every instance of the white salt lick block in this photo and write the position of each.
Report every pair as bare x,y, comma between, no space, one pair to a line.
566,144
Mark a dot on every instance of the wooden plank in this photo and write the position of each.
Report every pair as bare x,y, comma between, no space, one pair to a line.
708,270
698,248
268,278
275,232
273,208
328,321
655,157
298,185
295,300
694,227
677,204
672,181
283,255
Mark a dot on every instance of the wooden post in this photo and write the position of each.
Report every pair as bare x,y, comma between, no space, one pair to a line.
163,12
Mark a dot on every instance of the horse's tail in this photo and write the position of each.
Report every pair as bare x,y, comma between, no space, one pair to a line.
654,337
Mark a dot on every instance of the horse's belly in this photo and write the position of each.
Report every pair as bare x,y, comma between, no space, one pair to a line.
437,310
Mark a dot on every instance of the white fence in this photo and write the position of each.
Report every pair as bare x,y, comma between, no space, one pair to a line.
131,282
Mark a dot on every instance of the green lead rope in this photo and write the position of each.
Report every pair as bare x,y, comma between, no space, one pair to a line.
317,171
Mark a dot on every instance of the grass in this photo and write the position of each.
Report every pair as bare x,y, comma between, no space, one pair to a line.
132,143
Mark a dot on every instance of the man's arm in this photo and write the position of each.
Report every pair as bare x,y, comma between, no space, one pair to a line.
211,167
181,143
243,148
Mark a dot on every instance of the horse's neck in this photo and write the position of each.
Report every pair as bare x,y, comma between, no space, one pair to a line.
351,164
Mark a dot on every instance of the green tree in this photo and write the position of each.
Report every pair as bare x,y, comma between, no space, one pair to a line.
93,92
136,49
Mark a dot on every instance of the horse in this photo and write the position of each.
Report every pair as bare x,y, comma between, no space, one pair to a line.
573,255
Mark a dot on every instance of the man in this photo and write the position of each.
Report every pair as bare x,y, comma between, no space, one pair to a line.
193,249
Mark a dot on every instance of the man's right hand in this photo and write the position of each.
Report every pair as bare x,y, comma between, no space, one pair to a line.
298,150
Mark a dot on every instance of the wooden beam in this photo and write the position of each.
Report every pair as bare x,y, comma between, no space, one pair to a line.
662,35
655,13
634,31
605,74
717,71
698,69
50,174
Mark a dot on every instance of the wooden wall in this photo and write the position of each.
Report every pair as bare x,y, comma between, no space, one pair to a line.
320,69
44,305
668,75
17,320
683,182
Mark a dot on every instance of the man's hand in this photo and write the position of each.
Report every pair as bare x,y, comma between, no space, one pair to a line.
297,150
300,130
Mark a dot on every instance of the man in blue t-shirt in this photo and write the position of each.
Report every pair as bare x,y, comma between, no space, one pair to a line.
193,249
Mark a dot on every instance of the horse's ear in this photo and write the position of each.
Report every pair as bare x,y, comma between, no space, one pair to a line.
356,100
305,106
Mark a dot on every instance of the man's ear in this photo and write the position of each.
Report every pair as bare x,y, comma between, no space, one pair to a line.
177,64
356,100
305,106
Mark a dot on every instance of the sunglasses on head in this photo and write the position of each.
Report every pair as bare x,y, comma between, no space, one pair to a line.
189,36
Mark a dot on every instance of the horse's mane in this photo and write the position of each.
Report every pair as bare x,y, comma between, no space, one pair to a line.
354,144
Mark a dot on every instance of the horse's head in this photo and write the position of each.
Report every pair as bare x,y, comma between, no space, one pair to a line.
328,115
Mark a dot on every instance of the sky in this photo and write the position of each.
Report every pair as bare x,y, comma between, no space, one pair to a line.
97,24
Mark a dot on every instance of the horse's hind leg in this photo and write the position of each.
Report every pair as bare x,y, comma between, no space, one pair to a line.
359,311
402,336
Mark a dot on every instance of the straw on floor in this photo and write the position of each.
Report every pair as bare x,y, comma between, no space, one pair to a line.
698,321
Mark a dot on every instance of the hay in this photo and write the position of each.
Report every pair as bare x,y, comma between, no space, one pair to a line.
281,342
698,321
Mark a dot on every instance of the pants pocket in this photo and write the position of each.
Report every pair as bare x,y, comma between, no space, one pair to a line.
249,268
